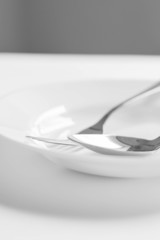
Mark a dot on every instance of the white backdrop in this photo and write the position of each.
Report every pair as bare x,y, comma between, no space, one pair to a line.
40,201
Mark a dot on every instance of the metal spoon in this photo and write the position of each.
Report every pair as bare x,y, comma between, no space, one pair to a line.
93,138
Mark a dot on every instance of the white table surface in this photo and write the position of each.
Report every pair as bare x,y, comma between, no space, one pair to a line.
38,200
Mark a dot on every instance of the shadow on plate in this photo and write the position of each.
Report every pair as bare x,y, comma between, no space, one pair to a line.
31,183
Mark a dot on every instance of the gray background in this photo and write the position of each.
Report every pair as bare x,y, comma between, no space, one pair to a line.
80,26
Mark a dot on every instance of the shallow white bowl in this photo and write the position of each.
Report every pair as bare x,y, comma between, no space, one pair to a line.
62,108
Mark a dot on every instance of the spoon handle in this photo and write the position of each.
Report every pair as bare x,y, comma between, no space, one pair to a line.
53,141
147,92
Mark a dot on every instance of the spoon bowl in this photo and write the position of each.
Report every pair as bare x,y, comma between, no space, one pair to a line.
110,144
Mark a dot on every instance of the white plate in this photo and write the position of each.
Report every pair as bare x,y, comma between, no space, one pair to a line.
58,109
